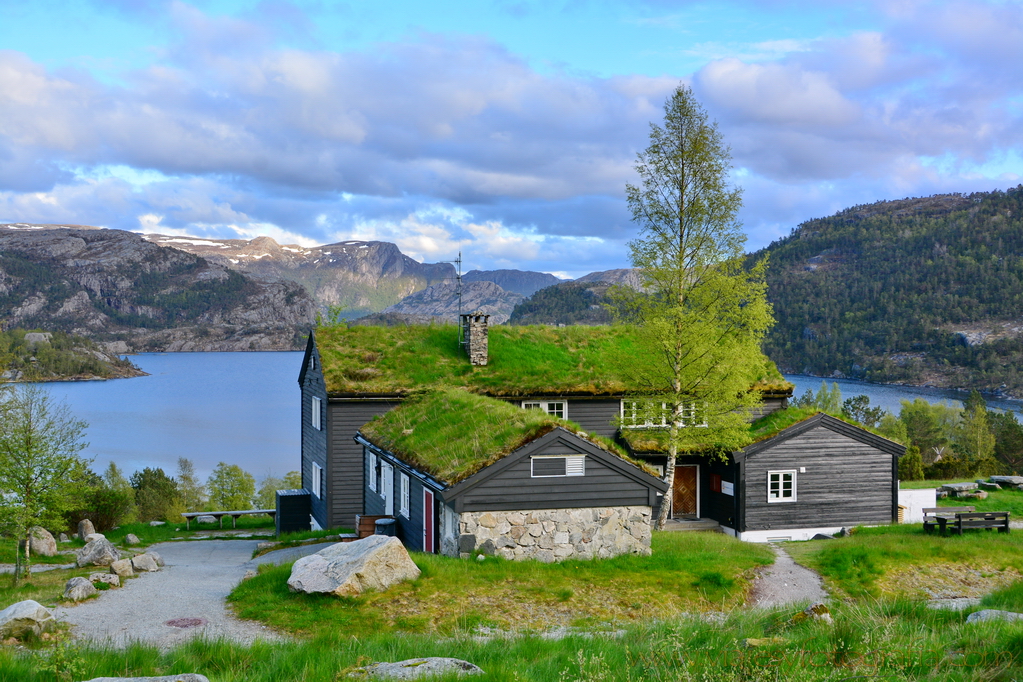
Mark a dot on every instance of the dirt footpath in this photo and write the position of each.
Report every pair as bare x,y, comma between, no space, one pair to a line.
786,582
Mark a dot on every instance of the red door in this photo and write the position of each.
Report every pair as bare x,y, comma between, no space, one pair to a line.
427,521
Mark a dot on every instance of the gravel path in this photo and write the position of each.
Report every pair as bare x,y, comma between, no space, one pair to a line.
190,590
786,582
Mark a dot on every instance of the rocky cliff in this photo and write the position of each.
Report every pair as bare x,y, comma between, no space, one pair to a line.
523,282
441,302
361,277
117,288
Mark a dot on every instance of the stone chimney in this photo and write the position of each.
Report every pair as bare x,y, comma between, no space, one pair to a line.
474,331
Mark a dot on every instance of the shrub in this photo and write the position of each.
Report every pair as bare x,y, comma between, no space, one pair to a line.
911,465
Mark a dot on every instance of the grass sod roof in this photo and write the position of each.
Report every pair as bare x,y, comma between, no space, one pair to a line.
768,426
524,360
452,433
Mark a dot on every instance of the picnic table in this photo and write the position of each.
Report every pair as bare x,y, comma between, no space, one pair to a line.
219,515
957,519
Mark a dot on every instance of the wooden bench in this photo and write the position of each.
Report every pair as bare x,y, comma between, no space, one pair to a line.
219,515
972,519
939,516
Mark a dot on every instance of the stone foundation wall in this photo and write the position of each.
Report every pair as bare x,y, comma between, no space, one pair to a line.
555,534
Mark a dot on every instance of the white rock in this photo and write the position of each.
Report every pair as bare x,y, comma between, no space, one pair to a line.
41,542
111,579
132,539
157,558
99,552
25,617
157,523
205,519
144,563
185,677
416,668
992,614
351,568
95,536
78,589
122,568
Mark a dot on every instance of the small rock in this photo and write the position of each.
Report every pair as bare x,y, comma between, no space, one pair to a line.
122,568
97,553
95,536
41,542
64,537
249,574
111,579
78,589
157,558
205,519
144,563
816,611
415,668
157,523
764,641
25,617
265,545
132,539
85,527
992,614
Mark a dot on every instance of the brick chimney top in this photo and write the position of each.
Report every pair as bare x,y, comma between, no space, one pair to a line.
474,331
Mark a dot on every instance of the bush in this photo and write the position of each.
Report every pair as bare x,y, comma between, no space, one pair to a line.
911,465
951,466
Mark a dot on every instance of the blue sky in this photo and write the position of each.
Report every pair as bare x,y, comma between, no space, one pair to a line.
505,129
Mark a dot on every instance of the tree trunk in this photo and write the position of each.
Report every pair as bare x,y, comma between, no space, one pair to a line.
669,476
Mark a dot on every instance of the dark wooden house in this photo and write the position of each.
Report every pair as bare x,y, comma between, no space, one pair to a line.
517,484
352,374
817,475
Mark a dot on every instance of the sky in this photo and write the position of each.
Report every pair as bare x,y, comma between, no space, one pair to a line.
504,129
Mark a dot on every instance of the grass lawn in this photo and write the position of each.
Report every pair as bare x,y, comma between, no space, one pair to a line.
686,572
903,561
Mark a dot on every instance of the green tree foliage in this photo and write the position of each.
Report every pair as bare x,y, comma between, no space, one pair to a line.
230,488
973,438
859,410
879,292
704,315
293,480
192,491
63,356
1008,440
929,426
825,399
156,495
911,466
104,504
41,468
566,303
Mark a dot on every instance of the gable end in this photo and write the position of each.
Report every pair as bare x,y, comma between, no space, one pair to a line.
826,421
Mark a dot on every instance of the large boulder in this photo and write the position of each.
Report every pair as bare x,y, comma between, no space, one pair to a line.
41,542
85,528
1008,480
25,617
78,589
157,558
992,614
122,568
99,552
350,568
415,668
143,563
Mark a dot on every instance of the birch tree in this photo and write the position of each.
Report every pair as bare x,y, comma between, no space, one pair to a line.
703,313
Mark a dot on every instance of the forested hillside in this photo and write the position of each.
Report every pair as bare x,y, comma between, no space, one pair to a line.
922,291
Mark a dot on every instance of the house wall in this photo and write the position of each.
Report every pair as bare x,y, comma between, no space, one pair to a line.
314,441
345,477
845,483
550,535
718,505
596,416
409,529
514,488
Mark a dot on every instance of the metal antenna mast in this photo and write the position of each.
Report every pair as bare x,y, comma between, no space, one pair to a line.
458,292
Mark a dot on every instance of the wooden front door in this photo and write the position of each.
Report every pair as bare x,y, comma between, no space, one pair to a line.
428,521
683,498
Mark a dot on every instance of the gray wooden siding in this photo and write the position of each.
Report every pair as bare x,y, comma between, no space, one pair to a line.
345,478
595,416
768,406
314,441
409,529
514,488
846,483
373,504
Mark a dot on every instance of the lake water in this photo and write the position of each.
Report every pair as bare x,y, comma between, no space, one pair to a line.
239,408
243,408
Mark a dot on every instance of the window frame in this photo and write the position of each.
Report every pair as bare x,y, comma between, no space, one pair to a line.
404,494
317,480
629,416
545,405
316,413
373,471
781,498
577,467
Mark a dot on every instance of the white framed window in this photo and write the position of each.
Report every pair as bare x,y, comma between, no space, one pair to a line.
387,487
316,409
637,414
781,486
317,482
372,472
546,466
555,408
403,495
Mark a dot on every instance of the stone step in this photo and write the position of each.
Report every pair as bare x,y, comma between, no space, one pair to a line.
681,525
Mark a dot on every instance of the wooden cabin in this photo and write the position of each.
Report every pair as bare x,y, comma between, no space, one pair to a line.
351,375
464,474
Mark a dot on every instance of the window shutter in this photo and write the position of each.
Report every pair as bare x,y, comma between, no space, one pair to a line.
575,465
